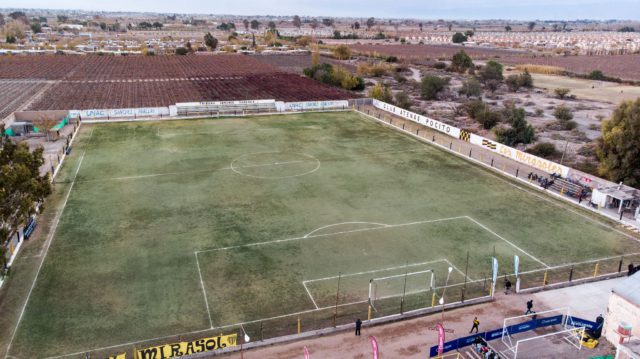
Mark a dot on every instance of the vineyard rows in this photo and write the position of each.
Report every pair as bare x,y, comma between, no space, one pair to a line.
15,93
99,68
94,95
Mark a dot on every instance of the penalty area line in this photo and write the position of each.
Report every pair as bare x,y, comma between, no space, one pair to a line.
507,241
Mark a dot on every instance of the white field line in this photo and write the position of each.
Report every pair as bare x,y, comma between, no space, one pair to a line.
204,291
44,255
310,296
456,268
507,241
403,275
500,177
328,234
190,172
375,271
272,318
343,223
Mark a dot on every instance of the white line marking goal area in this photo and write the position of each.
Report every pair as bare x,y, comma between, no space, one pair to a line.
302,273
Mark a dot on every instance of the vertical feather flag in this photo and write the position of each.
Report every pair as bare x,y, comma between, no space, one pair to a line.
374,346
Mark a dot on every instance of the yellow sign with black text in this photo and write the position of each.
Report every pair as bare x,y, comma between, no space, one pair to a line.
118,356
177,350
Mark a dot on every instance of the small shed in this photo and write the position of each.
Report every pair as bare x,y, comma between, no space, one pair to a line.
619,197
622,320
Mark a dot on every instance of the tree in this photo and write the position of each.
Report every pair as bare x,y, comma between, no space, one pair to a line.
518,131
449,26
370,22
157,25
327,22
488,119
356,25
491,71
564,115
297,22
271,25
314,24
36,27
544,149
246,24
507,28
458,38
531,25
619,147
382,93
562,92
255,24
627,29
182,51
1,20
420,26
210,41
471,88
432,85
597,75
403,100
461,62
469,33
62,18
513,82
21,188
342,52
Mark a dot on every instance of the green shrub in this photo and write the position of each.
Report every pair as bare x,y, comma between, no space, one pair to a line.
544,149
432,85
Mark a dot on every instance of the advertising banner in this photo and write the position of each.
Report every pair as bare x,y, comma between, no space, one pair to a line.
306,353
374,346
423,120
465,135
440,338
119,113
177,350
315,105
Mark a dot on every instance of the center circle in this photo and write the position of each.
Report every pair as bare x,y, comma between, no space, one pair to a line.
275,165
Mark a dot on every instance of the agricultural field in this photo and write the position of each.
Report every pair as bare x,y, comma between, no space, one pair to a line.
129,94
101,82
588,89
15,93
182,229
625,67
432,52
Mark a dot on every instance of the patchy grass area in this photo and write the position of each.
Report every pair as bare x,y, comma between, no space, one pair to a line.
189,228
588,89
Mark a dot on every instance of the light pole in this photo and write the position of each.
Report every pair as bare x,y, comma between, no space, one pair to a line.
245,339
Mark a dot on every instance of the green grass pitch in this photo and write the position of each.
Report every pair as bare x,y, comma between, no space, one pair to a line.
182,226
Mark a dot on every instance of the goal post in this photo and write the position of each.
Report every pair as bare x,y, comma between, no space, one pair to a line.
399,285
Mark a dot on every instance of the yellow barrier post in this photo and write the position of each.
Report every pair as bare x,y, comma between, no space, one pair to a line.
298,325
134,352
369,313
433,300
595,270
562,191
544,281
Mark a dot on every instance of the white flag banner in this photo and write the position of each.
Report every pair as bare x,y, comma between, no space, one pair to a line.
516,264
494,277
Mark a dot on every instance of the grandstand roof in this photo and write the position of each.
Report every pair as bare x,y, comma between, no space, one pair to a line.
629,289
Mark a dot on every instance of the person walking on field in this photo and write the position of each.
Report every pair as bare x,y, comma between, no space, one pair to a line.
529,306
476,324
358,326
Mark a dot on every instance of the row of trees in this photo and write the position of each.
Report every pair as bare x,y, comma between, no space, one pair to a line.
21,189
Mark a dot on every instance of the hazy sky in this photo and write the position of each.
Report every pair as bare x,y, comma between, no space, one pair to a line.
427,9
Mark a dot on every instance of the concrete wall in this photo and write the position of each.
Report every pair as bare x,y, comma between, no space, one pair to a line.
620,310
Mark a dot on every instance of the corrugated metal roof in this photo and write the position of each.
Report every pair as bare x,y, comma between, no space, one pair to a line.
629,289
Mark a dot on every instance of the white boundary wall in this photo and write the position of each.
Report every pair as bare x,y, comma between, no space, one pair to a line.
506,151
120,112
314,105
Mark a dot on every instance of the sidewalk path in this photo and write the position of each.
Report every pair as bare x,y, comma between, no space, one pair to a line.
412,338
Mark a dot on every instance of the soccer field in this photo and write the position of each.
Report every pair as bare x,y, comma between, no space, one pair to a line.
179,229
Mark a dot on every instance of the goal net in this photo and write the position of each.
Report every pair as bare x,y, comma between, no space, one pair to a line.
518,336
398,285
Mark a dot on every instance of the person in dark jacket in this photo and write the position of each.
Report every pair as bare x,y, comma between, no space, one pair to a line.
358,326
